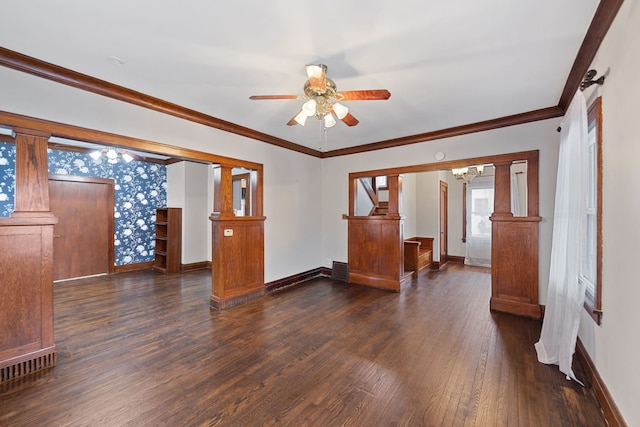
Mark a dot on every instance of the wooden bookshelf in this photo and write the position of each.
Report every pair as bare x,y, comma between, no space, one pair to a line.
168,249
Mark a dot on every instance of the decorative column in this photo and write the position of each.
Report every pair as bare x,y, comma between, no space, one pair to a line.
514,246
237,267
26,266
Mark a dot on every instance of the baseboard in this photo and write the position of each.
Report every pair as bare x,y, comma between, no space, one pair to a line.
455,258
133,267
297,278
518,308
611,412
202,265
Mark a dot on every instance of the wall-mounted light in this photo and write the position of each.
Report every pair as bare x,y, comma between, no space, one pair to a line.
113,155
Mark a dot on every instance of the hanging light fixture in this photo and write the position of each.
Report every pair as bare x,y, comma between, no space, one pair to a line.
329,121
113,155
468,174
340,110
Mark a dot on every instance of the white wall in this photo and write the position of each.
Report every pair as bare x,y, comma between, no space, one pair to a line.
187,188
615,346
409,204
292,181
428,208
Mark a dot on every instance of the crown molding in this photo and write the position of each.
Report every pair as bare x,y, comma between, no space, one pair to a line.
56,73
600,24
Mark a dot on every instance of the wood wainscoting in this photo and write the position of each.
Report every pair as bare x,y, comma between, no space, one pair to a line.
376,251
237,268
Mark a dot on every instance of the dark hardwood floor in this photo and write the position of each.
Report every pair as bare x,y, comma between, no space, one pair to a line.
144,349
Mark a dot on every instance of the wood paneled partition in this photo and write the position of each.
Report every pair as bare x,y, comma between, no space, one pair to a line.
26,244
376,248
237,266
515,245
376,252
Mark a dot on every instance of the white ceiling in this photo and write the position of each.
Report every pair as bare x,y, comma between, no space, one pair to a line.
445,63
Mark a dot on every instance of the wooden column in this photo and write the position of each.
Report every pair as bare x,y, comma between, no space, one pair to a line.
237,267
514,246
502,190
223,191
26,265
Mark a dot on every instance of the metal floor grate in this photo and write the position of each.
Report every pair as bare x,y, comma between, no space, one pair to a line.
340,271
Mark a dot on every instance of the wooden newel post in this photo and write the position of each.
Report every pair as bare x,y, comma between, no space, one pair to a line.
395,194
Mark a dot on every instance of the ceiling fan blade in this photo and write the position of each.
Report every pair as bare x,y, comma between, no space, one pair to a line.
363,95
317,77
274,97
349,120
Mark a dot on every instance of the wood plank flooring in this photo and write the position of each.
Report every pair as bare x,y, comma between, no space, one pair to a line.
144,349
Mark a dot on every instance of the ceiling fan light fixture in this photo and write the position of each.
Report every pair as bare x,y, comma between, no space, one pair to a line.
301,118
340,110
329,121
309,107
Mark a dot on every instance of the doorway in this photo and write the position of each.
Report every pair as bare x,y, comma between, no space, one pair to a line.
83,237
444,214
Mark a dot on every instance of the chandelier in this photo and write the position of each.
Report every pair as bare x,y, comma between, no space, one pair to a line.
113,155
468,174
322,98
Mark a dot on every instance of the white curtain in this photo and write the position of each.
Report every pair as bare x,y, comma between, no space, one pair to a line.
565,296
480,194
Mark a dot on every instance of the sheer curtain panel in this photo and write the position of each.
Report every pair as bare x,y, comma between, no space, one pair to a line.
479,208
566,293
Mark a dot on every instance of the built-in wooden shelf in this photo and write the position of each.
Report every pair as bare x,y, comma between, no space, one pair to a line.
168,249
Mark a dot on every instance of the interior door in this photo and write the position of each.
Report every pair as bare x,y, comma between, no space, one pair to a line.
83,236
444,211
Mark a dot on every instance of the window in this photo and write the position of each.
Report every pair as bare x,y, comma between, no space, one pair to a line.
381,182
591,245
481,209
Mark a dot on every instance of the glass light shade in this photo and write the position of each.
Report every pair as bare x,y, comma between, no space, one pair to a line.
459,171
314,71
112,154
329,121
309,107
126,157
301,118
95,155
480,169
340,110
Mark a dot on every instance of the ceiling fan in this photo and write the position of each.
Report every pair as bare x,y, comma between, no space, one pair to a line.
322,99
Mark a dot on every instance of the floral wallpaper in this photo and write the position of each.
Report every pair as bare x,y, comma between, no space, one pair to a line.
140,188
7,177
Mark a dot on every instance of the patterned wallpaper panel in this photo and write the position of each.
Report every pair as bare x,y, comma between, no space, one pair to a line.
140,187
7,177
